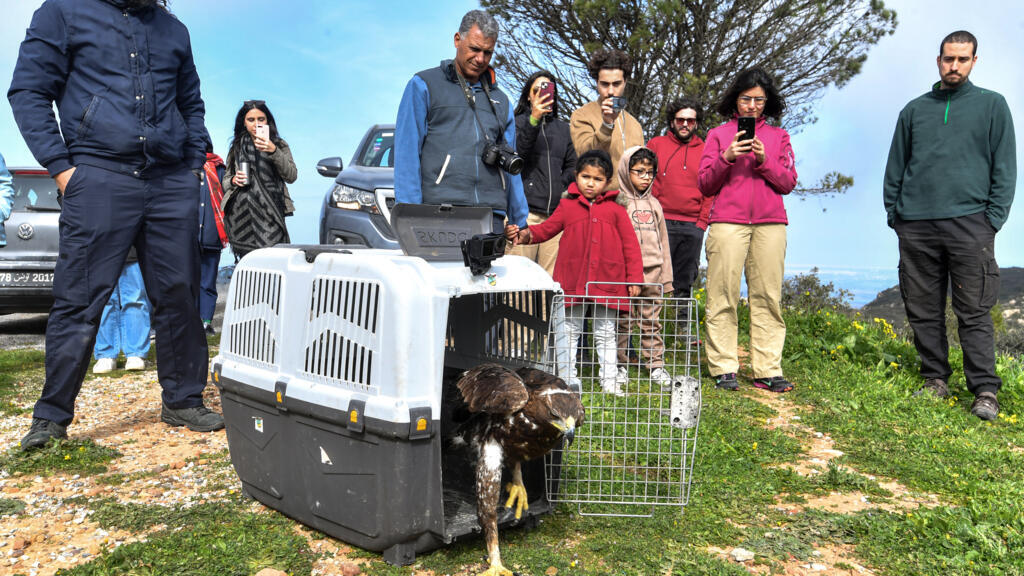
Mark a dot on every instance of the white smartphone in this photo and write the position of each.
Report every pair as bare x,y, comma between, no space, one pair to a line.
263,131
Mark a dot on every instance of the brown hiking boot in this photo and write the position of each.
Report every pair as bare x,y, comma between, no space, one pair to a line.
936,386
985,406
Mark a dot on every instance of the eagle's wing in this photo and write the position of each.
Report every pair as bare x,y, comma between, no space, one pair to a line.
493,389
534,378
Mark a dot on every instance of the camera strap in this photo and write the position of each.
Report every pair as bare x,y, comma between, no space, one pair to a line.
471,100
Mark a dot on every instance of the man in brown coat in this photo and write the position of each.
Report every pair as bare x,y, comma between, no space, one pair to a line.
605,123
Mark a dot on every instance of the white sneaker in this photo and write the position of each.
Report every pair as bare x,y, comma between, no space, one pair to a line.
104,365
661,376
135,363
611,386
622,376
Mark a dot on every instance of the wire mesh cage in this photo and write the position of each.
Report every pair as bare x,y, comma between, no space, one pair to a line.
636,362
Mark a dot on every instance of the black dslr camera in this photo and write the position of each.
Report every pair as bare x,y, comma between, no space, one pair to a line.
504,157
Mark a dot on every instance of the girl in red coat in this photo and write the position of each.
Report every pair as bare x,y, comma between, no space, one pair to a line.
598,256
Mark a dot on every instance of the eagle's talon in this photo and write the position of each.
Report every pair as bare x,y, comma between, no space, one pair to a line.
517,496
497,570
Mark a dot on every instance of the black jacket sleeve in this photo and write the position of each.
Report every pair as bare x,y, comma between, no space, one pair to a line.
39,77
526,135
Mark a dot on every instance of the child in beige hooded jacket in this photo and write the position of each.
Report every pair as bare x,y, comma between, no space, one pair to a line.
635,175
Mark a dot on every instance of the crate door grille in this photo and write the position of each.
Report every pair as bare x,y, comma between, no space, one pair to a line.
508,328
256,318
341,340
634,451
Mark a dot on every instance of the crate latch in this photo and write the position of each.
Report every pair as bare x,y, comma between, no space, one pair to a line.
215,375
281,395
356,411
419,423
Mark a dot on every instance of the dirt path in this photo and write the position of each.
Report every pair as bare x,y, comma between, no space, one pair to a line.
818,450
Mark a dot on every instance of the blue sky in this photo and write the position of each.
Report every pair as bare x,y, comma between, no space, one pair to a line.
328,70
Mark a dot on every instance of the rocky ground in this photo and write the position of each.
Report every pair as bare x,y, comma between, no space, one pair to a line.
160,465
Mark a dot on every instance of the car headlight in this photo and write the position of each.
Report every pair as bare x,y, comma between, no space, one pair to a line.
349,198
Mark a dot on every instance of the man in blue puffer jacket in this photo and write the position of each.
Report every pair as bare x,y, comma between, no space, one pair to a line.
126,156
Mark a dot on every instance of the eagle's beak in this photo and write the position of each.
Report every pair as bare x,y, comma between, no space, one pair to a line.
568,428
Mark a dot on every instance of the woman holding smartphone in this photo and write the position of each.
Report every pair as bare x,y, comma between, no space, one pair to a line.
747,175
542,139
259,168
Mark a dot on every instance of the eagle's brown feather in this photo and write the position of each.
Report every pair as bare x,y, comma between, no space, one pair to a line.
493,389
519,416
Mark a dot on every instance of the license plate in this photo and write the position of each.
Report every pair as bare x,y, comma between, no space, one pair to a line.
26,278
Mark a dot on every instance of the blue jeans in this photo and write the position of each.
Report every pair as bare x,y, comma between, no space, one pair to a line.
209,262
125,321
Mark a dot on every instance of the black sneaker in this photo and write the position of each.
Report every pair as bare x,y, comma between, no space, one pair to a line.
985,406
776,384
727,381
197,419
208,328
937,386
41,432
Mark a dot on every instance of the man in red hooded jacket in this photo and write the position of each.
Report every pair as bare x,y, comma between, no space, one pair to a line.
675,186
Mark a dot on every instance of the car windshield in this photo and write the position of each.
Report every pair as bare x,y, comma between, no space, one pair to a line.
378,152
35,192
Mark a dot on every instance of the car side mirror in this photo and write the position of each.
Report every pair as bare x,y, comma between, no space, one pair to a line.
329,167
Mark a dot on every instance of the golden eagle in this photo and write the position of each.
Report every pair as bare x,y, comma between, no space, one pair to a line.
517,416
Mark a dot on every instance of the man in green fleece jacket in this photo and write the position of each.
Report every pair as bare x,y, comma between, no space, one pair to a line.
949,183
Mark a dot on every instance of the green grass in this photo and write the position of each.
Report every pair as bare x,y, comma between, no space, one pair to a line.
863,399
72,456
20,378
854,379
11,506
223,538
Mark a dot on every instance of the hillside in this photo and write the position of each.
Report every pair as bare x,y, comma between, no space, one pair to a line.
889,305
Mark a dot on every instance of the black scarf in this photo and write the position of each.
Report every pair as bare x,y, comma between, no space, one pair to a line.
255,217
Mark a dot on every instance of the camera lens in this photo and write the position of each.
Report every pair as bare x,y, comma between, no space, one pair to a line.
514,164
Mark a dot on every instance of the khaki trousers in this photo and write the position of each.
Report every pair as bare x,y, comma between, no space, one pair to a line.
544,253
652,345
760,251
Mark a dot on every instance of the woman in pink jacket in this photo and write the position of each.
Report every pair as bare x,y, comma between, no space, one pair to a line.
747,178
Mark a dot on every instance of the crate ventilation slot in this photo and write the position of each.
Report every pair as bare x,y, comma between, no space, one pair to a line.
335,357
356,302
254,328
341,336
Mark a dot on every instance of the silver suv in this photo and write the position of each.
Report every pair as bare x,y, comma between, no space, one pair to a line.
28,259
357,207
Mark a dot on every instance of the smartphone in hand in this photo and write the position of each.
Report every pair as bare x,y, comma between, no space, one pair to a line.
263,131
547,89
746,124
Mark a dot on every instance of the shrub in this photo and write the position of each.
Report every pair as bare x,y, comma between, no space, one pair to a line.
806,293
1011,341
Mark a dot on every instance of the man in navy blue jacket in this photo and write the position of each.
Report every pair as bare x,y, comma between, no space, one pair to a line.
439,138
126,157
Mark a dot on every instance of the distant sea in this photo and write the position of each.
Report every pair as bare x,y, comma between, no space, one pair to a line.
863,283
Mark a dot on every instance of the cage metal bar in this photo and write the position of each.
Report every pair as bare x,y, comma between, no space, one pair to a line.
630,454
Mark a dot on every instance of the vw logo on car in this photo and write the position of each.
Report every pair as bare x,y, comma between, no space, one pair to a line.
33,243
26,231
